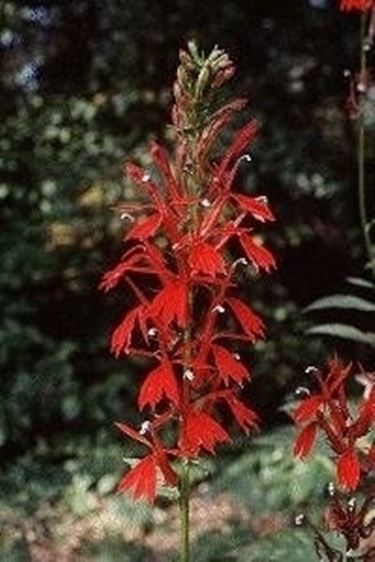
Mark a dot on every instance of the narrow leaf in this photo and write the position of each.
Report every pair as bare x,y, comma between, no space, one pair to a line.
343,331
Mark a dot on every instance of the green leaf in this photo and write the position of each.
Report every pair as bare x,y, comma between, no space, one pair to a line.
343,331
342,301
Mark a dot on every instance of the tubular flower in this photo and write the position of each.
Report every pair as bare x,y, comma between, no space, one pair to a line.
179,268
328,410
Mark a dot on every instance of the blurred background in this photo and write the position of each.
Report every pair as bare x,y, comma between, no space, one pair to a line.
85,85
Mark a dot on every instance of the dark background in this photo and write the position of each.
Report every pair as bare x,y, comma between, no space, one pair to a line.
86,84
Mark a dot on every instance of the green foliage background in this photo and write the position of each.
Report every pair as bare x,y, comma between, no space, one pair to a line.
84,85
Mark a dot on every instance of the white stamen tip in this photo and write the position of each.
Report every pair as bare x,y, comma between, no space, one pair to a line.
146,177
331,489
361,87
299,519
126,216
152,332
188,374
205,203
241,261
302,391
218,308
145,427
245,158
262,199
237,356
352,503
346,73
311,370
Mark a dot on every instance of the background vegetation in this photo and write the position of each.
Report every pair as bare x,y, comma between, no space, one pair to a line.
85,84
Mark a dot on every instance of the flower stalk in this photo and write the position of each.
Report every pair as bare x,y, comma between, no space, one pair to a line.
185,513
361,150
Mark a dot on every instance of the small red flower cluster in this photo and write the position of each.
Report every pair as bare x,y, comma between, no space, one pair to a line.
359,5
178,264
329,411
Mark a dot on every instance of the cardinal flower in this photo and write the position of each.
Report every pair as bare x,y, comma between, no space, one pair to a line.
328,412
181,279
141,480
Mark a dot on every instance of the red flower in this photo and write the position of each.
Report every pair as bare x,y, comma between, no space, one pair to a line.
329,411
141,480
245,417
121,338
305,441
228,366
200,431
251,324
349,470
256,207
308,409
159,383
205,259
359,5
256,253
145,229
170,304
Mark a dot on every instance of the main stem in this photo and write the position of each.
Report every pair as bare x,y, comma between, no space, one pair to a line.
361,155
184,512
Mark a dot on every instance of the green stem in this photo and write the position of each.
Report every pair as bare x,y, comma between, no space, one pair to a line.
361,155
184,513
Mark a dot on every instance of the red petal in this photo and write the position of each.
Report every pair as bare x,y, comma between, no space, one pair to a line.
132,433
244,416
160,157
159,383
259,210
121,337
240,142
251,323
171,304
307,409
145,229
349,470
141,480
256,253
228,366
205,259
305,441
201,431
